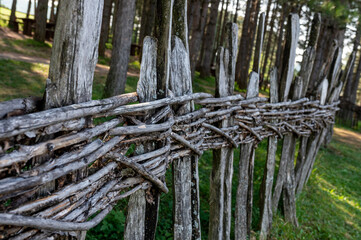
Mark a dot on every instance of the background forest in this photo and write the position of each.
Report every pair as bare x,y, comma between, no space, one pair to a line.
329,208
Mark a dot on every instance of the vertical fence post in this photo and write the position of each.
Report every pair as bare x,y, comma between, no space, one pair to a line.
316,139
308,60
244,202
285,85
222,165
185,169
73,60
267,182
138,226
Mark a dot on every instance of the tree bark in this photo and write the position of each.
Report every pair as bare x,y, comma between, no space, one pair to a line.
209,40
12,21
73,61
52,11
117,75
104,33
352,79
246,43
279,50
40,23
29,8
76,44
329,32
148,19
218,32
225,20
268,47
199,21
355,83
235,17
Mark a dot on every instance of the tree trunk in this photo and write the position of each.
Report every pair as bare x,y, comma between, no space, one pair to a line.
330,31
74,57
73,60
52,14
35,6
117,75
29,8
246,43
355,84
147,21
104,33
218,32
283,16
209,40
199,22
40,23
351,77
235,17
268,46
12,21
225,20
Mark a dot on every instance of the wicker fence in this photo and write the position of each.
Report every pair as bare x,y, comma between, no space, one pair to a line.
63,170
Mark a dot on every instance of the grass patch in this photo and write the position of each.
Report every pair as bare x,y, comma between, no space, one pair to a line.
28,47
21,79
328,208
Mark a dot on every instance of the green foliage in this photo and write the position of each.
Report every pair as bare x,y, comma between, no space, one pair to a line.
112,227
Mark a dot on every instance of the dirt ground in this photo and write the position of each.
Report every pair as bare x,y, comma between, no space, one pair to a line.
347,136
7,33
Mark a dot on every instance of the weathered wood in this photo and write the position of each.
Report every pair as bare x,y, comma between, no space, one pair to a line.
27,152
241,214
76,44
50,224
65,192
8,185
141,129
267,182
21,124
243,217
138,226
222,165
287,157
16,107
184,218
293,30
312,147
259,43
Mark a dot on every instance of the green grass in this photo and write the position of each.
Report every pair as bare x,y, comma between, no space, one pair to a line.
28,47
5,16
328,208
21,79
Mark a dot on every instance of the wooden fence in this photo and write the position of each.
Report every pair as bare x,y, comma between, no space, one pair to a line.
123,148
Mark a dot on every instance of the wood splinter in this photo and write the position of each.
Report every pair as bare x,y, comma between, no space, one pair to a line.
139,169
219,131
185,143
241,124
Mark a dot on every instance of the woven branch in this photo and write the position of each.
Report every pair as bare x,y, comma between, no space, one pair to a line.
103,147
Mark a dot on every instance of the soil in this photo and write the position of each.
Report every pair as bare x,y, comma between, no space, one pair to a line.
347,136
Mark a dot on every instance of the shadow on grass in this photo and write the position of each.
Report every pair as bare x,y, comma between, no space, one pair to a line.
21,79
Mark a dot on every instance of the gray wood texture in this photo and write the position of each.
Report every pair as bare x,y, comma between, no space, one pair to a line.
147,92
122,40
76,44
222,165
185,169
267,182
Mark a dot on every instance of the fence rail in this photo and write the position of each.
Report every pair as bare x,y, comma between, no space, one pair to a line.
122,148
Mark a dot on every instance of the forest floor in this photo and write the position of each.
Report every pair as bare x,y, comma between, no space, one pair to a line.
328,208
